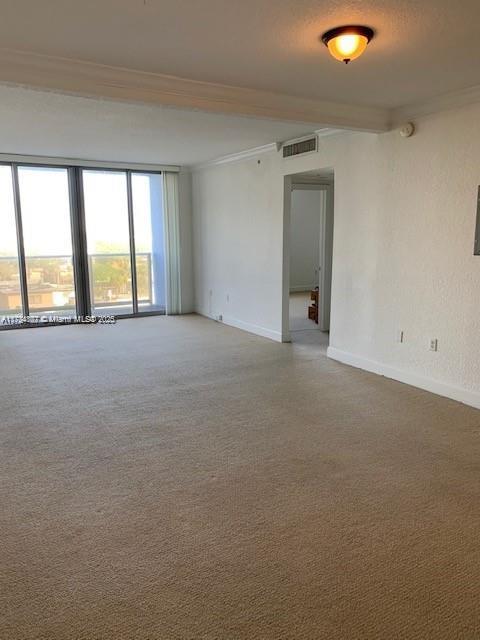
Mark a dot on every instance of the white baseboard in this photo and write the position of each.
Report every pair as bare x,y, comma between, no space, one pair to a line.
246,326
471,398
301,287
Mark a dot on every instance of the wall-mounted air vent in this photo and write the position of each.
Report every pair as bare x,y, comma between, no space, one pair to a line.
300,146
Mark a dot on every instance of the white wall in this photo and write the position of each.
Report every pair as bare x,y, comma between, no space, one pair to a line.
403,245
238,244
304,239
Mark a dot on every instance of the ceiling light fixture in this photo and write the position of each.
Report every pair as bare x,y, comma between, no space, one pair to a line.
347,43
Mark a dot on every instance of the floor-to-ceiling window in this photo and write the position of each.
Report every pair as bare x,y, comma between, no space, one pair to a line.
149,235
79,241
47,240
10,289
108,241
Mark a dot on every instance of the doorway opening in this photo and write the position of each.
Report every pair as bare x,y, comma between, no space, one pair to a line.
309,213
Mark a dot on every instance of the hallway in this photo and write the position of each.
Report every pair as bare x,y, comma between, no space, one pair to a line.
302,330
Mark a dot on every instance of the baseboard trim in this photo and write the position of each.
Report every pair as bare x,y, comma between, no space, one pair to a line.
246,326
470,398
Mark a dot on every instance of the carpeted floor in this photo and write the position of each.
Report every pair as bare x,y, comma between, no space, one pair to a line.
176,479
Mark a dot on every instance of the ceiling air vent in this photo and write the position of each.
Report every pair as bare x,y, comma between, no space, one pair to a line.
299,146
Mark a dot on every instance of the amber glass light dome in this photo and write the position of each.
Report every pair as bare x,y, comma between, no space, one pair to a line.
347,43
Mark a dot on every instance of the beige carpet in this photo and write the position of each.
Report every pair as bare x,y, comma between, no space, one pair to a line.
174,479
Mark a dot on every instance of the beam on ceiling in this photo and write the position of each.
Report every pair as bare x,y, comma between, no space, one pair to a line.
102,81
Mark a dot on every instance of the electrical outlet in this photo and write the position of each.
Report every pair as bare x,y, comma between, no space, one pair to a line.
433,344
400,335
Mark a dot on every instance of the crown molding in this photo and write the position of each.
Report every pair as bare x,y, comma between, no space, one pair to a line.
445,102
236,157
256,151
326,133
102,81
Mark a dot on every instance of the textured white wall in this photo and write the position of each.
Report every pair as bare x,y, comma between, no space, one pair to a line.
403,245
304,239
238,243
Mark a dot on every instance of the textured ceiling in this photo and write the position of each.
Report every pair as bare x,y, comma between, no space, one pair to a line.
423,48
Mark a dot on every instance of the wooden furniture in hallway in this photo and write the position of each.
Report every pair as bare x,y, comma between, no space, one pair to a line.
313,308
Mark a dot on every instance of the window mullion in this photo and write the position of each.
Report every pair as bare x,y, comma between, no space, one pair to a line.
20,245
133,260
80,258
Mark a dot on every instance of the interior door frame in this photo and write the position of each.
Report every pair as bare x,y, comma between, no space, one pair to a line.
326,255
326,250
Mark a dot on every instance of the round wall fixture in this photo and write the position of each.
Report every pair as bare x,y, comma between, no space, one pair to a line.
407,130
347,43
